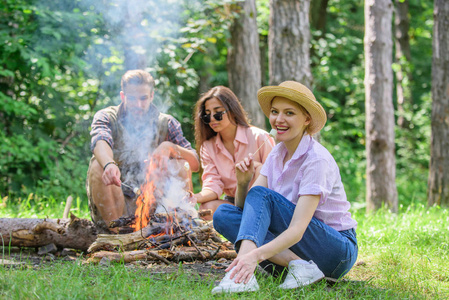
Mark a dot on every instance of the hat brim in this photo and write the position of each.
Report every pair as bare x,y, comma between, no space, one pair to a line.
266,94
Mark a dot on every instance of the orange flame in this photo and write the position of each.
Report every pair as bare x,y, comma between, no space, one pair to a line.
146,202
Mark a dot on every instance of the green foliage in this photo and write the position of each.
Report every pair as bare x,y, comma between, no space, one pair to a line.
42,111
62,61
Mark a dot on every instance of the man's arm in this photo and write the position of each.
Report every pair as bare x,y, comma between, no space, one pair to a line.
183,147
104,155
178,152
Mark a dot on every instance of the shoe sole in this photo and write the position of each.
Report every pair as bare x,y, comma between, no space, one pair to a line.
297,286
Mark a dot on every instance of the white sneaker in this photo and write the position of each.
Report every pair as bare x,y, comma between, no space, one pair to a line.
227,285
301,275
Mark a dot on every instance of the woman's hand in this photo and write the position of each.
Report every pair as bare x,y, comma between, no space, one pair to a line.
245,265
244,170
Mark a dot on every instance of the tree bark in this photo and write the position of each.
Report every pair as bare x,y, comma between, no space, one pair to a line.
402,56
244,61
64,233
380,147
289,41
438,185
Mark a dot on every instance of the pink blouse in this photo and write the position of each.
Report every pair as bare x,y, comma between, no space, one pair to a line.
219,165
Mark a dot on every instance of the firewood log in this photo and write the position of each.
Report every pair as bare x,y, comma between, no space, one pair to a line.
64,233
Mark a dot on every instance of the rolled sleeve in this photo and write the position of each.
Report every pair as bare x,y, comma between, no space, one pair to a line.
101,130
211,178
176,136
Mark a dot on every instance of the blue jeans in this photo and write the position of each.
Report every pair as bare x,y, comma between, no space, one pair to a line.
267,214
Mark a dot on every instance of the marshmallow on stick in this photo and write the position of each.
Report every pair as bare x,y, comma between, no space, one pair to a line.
272,133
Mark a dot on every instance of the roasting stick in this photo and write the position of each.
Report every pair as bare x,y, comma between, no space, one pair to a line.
134,189
272,133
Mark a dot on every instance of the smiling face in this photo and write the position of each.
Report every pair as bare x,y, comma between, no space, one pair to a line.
213,106
137,99
290,121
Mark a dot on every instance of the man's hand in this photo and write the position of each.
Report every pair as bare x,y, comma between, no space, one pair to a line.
166,149
111,175
244,170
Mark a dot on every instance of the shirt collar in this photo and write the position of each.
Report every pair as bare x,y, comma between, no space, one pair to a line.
153,111
240,136
302,148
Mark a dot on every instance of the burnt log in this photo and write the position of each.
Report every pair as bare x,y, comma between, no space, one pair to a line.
139,239
72,233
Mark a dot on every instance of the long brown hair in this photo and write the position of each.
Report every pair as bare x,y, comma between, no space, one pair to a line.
237,115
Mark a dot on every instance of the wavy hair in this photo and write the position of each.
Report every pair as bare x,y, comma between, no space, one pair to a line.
237,115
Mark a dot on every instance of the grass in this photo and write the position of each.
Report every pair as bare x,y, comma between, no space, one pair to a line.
401,256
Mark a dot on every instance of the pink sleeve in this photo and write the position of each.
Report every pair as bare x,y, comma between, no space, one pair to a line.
211,178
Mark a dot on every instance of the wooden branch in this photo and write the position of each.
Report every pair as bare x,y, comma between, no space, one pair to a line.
118,256
64,233
55,227
159,257
68,204
184,254
125,242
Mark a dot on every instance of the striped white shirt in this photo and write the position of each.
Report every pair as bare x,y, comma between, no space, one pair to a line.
311,171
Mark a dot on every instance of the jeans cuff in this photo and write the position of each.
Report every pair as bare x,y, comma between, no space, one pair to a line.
245,237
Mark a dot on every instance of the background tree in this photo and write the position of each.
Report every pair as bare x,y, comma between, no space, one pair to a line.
244,60
402,60
318,13
380,155
438,192
62,61
289,41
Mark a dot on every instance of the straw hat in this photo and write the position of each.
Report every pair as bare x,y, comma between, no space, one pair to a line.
298,93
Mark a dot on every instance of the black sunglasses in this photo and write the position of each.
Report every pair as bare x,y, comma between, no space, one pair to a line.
217,116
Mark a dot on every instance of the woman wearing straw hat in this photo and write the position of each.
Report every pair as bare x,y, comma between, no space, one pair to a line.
224,137
296,213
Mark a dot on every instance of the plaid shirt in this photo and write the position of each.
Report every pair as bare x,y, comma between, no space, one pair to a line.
101,129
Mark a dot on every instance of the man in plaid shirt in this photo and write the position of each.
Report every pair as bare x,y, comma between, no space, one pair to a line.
123,138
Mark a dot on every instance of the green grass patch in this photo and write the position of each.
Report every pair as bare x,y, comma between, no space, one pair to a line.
401,256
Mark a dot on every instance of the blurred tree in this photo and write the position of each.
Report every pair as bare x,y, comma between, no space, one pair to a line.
289,41
244,60
438,191
380,155
402,60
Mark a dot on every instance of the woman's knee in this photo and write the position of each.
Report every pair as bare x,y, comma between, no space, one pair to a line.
221,215
257,193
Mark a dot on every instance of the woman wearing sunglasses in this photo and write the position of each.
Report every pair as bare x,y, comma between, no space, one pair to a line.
223,138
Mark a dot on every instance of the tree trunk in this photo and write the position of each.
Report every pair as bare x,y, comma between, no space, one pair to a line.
289,41
403,56
244,61
380,148
64,233
318,14
438,185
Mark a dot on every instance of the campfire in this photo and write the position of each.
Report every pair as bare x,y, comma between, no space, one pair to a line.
165,226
